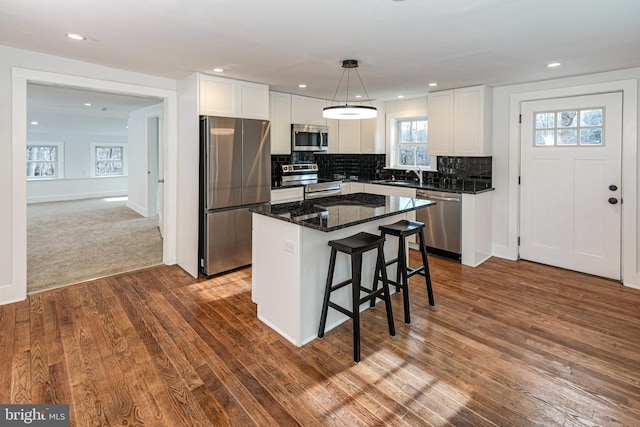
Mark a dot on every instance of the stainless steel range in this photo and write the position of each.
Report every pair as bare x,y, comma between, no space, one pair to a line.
307,174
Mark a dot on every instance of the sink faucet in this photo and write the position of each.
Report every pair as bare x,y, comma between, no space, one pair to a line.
418,172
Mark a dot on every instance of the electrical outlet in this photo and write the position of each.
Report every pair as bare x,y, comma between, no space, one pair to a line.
289,246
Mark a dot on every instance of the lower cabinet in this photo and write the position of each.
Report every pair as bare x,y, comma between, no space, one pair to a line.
287,195
352,187
477,228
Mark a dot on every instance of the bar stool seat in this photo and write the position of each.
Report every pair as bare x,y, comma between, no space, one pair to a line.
403,229
355,246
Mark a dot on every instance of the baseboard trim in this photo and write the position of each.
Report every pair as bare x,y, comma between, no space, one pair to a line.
74,196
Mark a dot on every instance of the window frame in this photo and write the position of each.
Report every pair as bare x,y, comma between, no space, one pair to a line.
59,160
556,128
393,145
94,160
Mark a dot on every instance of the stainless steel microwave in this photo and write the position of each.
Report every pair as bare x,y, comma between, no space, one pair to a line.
309,138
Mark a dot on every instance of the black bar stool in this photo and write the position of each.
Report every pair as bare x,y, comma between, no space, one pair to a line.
403,229
355,246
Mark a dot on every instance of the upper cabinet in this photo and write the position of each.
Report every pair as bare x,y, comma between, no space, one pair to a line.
460,122
280,117
307,111
232,98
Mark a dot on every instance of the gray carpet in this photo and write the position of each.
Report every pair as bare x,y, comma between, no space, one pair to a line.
80,240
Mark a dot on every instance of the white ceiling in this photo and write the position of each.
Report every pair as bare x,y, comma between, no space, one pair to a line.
62,110
401,45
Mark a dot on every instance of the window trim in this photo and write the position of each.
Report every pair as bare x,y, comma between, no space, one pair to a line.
59,160
392,151
578,127
95,145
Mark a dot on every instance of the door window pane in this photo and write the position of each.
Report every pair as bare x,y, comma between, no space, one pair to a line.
591,117
567,119
591,136
568,137
545,120
545,137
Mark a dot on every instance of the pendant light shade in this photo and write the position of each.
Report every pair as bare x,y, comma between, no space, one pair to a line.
348,111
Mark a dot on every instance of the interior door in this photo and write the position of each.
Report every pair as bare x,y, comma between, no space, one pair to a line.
571,183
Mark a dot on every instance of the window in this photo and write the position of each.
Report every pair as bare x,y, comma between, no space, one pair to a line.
411,142
569,128
109,160
43,161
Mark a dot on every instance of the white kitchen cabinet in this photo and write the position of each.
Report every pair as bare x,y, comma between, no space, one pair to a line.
352,187
232,98
370,143
460,122
254,100
280,117
349,136
287,195
307,111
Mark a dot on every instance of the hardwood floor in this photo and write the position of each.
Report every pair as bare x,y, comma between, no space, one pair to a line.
508,343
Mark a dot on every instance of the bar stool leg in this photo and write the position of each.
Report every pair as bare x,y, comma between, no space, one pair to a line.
327,293
356,273
381,269
402,267
425,262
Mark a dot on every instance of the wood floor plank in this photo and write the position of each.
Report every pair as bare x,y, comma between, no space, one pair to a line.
507,344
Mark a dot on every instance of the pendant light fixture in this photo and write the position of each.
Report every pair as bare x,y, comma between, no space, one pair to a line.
349,111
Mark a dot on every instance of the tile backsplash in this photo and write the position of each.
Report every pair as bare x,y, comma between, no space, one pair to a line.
371,167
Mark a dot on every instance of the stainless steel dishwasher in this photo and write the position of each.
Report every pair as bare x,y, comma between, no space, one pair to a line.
443,222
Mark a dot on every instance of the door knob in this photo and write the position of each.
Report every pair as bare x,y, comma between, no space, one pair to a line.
613,187
161,181
613,200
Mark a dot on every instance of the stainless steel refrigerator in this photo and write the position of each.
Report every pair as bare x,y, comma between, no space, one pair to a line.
235,175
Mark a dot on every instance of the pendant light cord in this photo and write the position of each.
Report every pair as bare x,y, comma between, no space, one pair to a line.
346,101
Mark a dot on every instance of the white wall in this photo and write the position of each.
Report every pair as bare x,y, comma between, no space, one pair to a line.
506,158
77,182
17,67
138,159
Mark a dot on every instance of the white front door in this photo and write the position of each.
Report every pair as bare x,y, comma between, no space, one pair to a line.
571,183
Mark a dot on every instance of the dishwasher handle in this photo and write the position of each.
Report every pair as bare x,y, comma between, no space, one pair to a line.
438,197
443,199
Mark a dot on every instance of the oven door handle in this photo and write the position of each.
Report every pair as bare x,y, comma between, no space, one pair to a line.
317,194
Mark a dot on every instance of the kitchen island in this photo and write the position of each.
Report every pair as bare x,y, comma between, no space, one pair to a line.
291,256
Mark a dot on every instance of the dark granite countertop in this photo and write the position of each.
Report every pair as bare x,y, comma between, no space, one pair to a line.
337,212
469,187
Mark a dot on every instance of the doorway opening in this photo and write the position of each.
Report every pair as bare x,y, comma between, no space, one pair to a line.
82,221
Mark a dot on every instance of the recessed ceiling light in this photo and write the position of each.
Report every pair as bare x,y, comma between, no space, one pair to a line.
433,84
400,96
302,85
75,36
554,64
358,96
88,104
34,123
218,70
